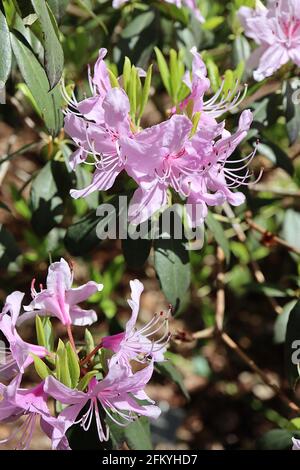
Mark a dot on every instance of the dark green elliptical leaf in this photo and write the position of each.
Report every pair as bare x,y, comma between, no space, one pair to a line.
54,56
48,192
49,103
5,56
172,265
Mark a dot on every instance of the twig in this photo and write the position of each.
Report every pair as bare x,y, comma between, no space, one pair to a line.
260,188
258,274
245,358
269,237
71,338
91,354
204,334
219,333
23,149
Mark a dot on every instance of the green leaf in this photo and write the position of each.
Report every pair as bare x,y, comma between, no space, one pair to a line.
136,435
58,7
73,365
62,366
81,237
41,338
48,192
42,370
86,379
6,55
113,79
291,228
291,347
172,265
36,79
277,439
241,50
126,73
9,250
138,24
292,109
277,156
168,370
54,56
136,252
146,91
218,233
164,70
213,74
89,341
282,321
132,92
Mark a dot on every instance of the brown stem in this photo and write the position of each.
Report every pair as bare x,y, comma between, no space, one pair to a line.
258,274
269,237
71,338
91,354
245,358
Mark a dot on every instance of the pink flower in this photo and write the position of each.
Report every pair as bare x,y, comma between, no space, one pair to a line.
17,402
60,300
99,125
197,168
116,395
19,354
136,344
296,444
198,83
221,174
276,30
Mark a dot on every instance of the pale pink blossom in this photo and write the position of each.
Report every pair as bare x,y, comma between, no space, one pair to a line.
31,403
198,167
276,30
60,300
199,84
139,344
98,126
18,356
116,395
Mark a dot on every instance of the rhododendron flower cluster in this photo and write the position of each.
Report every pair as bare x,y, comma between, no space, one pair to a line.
191,4
276,30
190,153
90,386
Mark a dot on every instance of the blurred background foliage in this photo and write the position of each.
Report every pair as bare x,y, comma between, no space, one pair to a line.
228,406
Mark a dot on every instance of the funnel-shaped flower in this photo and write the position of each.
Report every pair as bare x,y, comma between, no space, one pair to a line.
198,167
198,83
18,356
32,403
116,395
60,300
138,344
276,30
